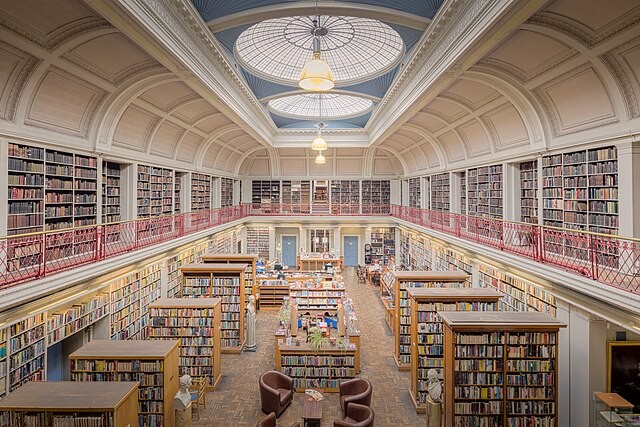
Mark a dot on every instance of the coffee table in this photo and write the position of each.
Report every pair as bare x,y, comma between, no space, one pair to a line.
311,412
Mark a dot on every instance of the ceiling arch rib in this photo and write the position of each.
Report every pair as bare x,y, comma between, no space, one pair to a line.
213,139
426,136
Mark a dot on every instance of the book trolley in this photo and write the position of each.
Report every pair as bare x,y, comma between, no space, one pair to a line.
250,285
68,403
223,281
154,364
195,322
427,339
501,369
403,280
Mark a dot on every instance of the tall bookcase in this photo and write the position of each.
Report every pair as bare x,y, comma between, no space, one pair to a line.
26,351
403,280
225,281
188,256
4,366
155,191
519,294
66,403
265,192
415,193
486,198
501,369
153,363
529,192
448,259
440,192
427,340
376,194
226,192
250,285
463,192
177,192
26,182
258,241
345,196
111,192
383,244
200,192
195,322
296,196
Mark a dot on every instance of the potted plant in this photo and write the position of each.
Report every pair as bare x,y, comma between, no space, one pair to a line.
317,340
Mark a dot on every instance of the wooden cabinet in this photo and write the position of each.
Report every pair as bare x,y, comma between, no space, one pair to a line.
154,364
45,404
196,323
427,339
501,368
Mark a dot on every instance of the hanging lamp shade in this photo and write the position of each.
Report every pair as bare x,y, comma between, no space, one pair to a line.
316,75
319,143
320,160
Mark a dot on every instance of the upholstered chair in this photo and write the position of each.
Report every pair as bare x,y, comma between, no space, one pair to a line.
276,392
357,390
357,416
270,421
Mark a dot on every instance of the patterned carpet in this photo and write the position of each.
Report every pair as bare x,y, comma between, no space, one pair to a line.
236,401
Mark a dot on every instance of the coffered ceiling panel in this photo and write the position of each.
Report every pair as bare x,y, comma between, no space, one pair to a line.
190,112
189,147
169,95
470,93
133,128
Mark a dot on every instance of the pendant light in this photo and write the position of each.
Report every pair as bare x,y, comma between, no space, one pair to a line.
316,75
319,144
320,159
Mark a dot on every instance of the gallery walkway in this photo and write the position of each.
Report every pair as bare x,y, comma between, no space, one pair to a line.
236,401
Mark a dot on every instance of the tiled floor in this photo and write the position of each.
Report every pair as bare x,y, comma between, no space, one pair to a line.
236,401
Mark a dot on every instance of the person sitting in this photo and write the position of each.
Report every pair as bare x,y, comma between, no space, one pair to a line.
375,279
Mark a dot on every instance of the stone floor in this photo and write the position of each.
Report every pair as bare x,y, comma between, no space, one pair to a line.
236,401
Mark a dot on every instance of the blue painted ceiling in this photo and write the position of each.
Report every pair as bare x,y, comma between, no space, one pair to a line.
376,87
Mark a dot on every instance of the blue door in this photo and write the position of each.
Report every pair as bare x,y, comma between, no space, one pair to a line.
351,251
289,251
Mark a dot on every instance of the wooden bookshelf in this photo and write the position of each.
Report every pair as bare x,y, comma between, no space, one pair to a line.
226,192
188,256
345,196
26,351
316,298
440,192
153,363
529,192
111,192
317,264
195,322
501,368
155,191
427,332
250,286
383,244
272,293
376,194
225,281
258,241
3,362
265,193
200,192
463,192
63,324
403,280
71,403
177,191
415,193
322,369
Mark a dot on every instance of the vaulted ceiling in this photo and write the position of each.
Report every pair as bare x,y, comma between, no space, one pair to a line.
153,81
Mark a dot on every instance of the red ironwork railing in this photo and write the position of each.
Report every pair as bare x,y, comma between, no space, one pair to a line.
32,256
611,260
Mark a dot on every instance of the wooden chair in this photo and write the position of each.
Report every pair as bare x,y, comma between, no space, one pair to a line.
198,398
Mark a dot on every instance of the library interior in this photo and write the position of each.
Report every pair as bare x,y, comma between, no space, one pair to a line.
320,213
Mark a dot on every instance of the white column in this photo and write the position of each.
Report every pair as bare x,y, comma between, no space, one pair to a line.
272,243
511,191
396,190
454,192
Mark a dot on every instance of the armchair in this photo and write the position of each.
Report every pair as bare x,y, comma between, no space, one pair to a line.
357,390
276,392
357,416
270,421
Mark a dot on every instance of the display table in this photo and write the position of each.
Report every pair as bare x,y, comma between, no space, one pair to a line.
317,264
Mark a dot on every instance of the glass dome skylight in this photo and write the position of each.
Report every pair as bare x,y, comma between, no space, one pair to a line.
307,106
356,49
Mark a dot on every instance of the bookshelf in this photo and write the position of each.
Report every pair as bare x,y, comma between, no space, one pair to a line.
415,194
376,196
250,286
463,192
177,191
26,181
296,196
317,264
440,192
26,352
153,363
195,322
200,192
67,403
448,259
322,369
188,256
130,296
345,196
272,293
501,368
223,281
427,334
111,191
316,298
65,323
519,294
529,192
155,191
383,244
265,193
258,241
403,280
226,192
3,362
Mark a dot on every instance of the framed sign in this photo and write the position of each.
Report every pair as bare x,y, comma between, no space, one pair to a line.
623,370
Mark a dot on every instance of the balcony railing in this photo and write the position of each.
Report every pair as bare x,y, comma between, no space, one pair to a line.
611,260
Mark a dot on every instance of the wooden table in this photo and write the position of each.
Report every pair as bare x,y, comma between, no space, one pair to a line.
311,412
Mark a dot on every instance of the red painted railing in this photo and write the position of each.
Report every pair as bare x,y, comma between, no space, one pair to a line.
610,260
32,256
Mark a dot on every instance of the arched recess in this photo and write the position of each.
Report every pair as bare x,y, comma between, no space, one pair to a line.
259,161
371,155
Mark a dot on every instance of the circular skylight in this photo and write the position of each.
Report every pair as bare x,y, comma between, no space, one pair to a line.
307,106
356,49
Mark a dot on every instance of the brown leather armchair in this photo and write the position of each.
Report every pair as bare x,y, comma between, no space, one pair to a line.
270,421
276,392
357,416
357,390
